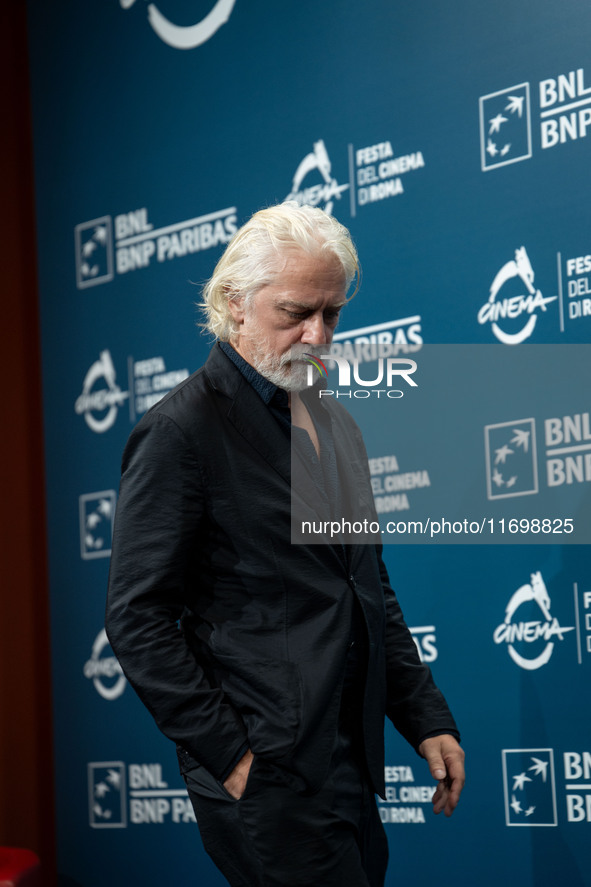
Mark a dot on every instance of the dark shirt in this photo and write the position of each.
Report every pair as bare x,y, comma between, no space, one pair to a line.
324,472
323,468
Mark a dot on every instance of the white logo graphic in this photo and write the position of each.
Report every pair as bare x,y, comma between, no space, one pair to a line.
577,269
425,641
533,631
394,366
96,523
106,674
530,786
94,252
511,459
137,243
401,792
151,800
191,36
106,795
505,127
378,172
387,371
566,114
515,306
321,193
379,340
150,382
390,488
100,406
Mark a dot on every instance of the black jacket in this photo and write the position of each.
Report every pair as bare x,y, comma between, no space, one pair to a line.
229,632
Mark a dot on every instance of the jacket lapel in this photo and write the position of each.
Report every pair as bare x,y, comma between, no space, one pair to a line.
248,413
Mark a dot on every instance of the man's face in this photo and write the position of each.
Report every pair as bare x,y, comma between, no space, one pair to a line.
289,317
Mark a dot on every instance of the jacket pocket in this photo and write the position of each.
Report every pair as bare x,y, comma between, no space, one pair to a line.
267,694
200,781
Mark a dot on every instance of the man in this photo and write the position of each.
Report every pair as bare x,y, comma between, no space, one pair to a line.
270,664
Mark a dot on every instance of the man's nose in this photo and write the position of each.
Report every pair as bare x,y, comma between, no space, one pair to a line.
316,332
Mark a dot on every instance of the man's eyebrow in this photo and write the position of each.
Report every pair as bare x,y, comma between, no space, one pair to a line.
303,306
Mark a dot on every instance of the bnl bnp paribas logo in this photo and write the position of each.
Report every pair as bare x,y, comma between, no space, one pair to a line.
529,786
144,793
563,115
532,784
106,795
505,126
186,36
511,459
96,512
137,243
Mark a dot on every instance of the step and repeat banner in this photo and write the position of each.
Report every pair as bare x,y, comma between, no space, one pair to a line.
454,140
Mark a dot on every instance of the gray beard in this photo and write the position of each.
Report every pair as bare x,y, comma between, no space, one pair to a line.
288,371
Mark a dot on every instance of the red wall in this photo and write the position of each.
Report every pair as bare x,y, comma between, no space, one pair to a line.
26,759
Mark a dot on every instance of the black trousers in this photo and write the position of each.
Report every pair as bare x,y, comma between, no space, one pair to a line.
275,836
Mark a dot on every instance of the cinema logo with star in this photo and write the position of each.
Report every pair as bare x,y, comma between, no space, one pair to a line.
186,36
530,787
511,312
313,181
529,631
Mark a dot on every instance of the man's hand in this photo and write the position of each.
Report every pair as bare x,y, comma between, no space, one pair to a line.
236,781
446,763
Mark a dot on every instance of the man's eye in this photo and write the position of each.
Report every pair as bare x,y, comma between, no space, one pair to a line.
332,316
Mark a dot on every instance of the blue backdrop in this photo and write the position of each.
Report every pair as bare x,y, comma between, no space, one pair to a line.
452,140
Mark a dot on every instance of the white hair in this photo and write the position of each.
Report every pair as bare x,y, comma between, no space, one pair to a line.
253,257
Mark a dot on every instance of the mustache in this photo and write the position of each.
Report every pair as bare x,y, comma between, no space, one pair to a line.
298,353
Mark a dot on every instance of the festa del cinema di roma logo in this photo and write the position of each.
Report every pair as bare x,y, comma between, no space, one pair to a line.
316,165
99,405
186,36
509,309
519,635
104,670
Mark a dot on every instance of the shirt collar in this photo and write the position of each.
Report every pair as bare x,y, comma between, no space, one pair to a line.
267,391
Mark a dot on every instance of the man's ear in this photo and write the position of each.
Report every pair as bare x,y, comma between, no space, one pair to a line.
236,309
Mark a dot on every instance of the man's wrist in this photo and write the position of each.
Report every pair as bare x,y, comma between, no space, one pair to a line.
235,784
433,733
235,761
